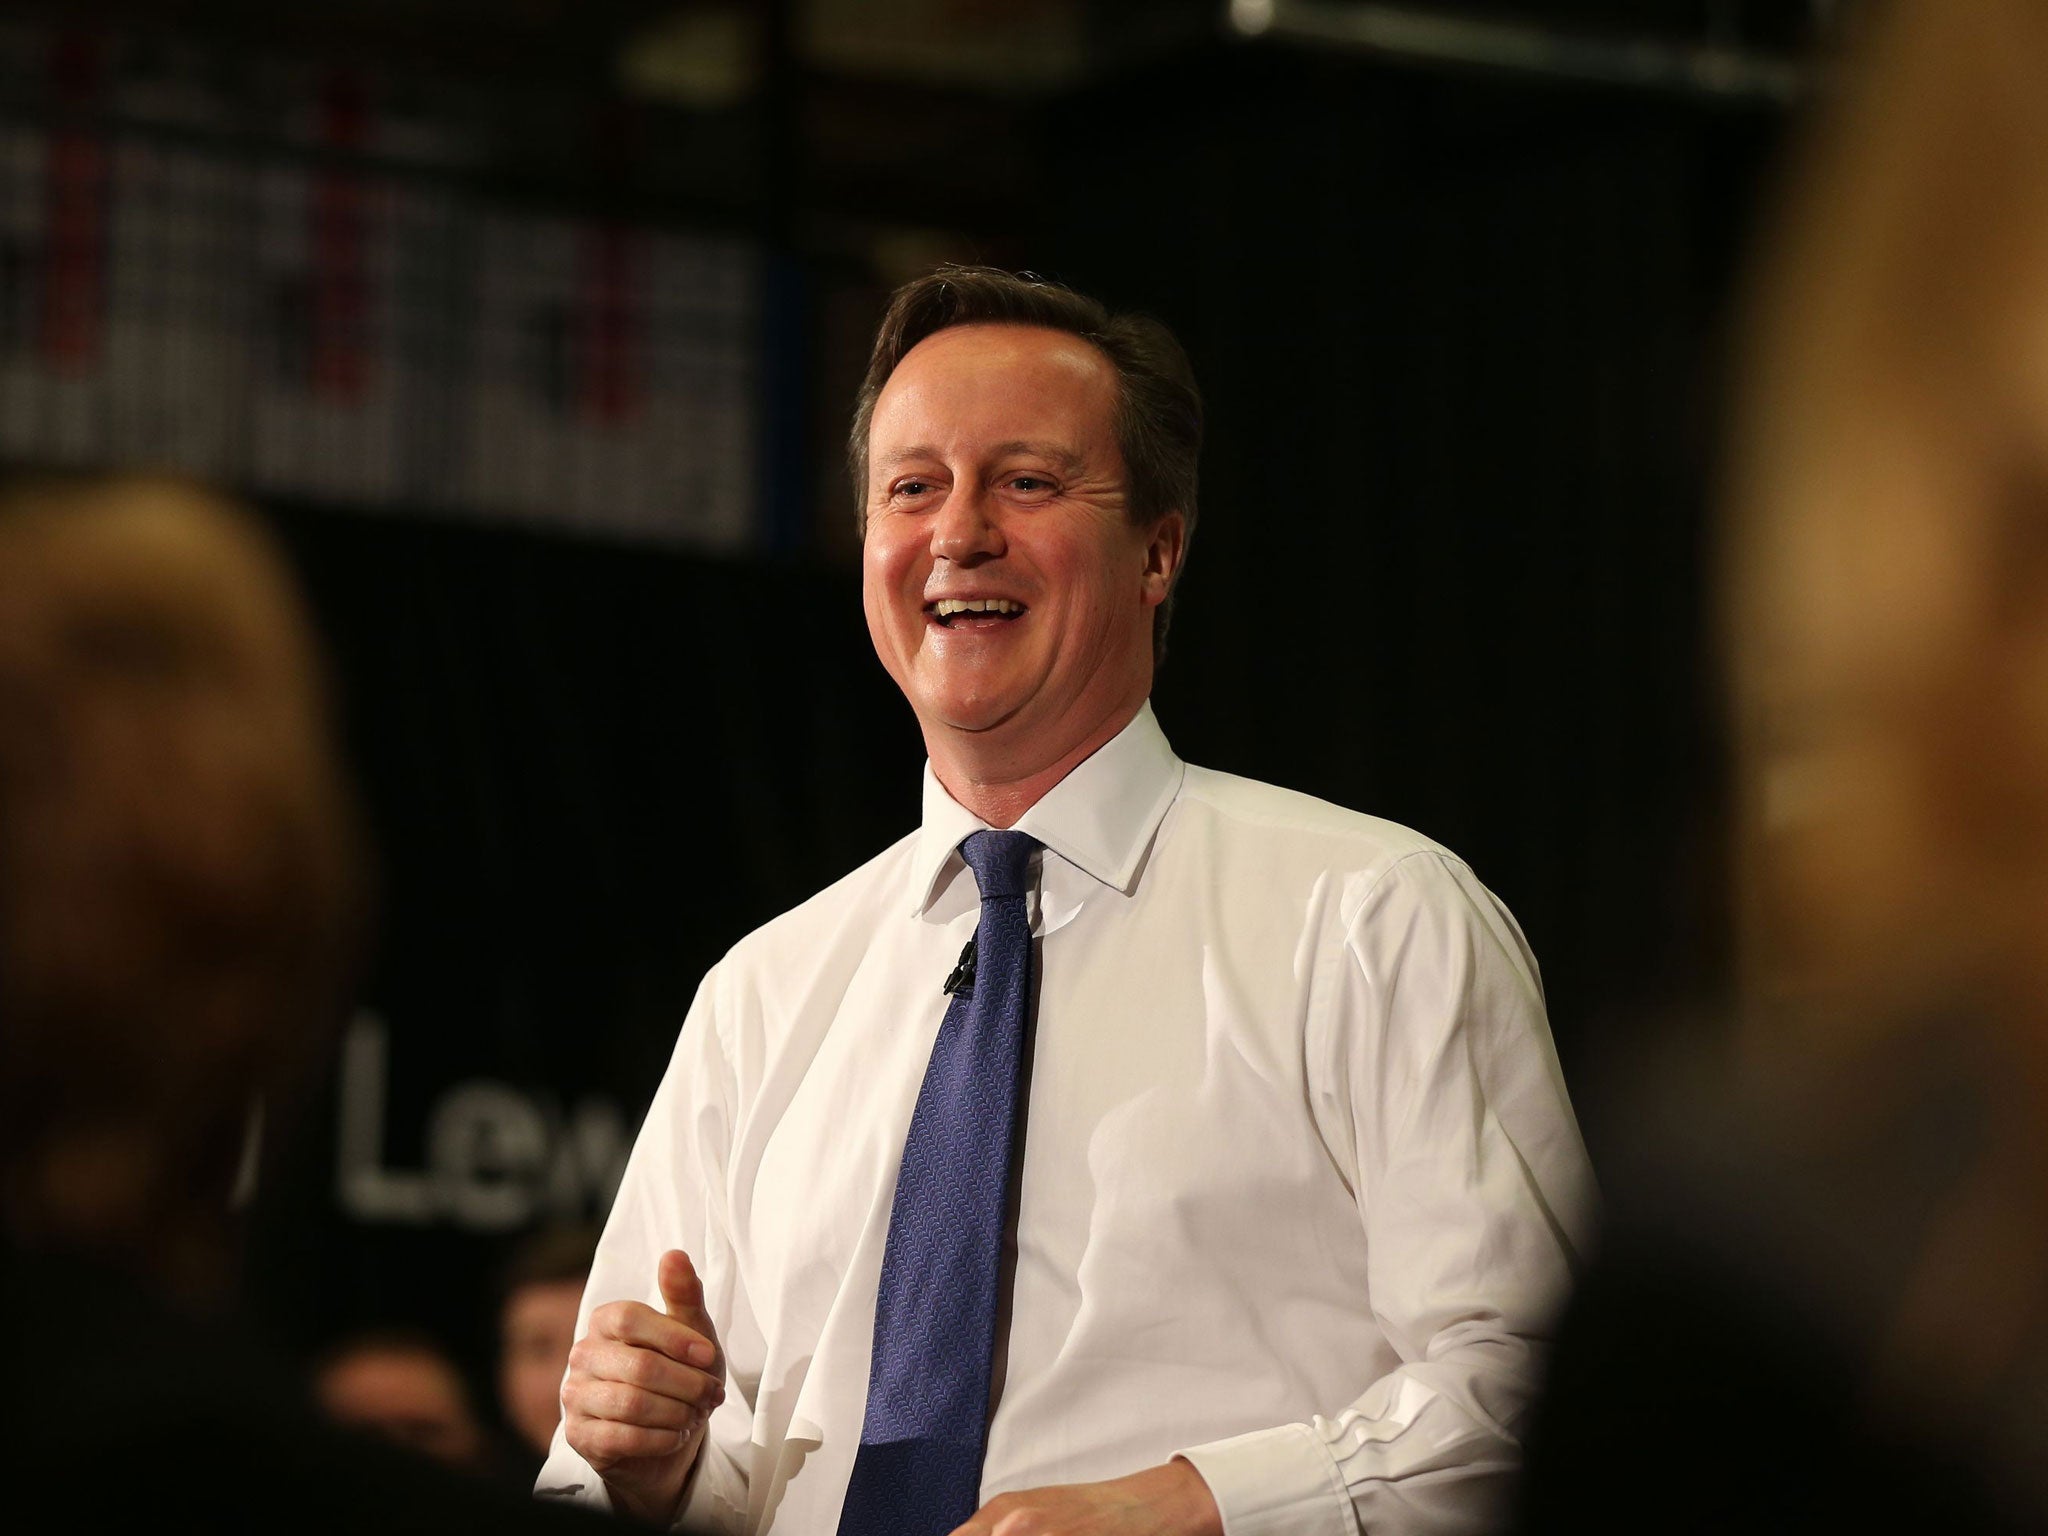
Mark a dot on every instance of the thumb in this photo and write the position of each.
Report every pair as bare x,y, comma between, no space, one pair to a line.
681,1291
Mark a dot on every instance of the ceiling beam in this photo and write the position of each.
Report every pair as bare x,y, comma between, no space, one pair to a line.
1411,34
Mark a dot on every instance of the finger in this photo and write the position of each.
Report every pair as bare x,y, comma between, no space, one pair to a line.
596,1360
623,1404
682,1292
635,1323
645,1371
1007,1514
605,1442
981,1523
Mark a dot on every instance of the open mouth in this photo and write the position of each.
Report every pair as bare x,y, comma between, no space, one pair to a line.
949,612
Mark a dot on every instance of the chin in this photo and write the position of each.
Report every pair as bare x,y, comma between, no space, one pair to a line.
967,711
962,699
973,721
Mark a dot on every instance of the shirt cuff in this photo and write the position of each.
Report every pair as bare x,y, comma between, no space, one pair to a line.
1276,1482
568,1479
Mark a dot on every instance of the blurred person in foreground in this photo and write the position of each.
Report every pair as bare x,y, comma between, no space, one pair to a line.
179,879
540,1294
1823,1304
1133,1147
179,898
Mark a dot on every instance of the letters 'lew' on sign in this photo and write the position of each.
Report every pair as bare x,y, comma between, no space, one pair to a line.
498,1157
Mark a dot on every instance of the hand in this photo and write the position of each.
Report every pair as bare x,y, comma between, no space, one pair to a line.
639,1388
1161,1501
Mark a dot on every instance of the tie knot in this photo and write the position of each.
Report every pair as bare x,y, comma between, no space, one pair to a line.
1001,861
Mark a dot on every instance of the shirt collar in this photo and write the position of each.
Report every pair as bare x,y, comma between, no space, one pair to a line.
1099,818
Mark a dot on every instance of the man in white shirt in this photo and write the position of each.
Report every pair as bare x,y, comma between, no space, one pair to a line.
1298,1188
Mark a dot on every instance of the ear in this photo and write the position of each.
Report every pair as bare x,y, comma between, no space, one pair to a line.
1163,548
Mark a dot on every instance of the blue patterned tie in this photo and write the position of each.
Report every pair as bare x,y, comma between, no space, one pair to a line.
918,1471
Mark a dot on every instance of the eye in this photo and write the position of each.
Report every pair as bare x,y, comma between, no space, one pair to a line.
1030,485
912,487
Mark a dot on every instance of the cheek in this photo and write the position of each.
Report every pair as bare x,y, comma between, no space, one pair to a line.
1108,595
1865,896
885,624
875,595
892,575
537,1380
1839,833
895,626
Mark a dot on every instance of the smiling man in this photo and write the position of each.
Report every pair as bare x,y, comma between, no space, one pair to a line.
1132,1147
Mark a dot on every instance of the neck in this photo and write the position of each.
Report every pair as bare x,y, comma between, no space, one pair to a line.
999,781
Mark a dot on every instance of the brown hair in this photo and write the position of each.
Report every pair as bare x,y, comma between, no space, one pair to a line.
1159,407
550,1256
178,877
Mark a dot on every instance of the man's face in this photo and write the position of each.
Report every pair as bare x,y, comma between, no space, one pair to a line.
406,1396
995,481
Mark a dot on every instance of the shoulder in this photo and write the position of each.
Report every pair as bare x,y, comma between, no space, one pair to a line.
1369,875
850,907
1269,810
1285,827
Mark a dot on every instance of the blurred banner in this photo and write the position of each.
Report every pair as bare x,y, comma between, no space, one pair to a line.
284,319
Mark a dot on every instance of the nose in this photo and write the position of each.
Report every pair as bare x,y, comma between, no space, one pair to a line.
965,530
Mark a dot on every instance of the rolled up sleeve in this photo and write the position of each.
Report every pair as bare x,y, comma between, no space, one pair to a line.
1436,1060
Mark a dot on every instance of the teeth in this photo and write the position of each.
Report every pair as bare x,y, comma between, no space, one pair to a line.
947,607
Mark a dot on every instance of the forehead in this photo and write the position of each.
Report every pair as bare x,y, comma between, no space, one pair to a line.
973,384
541,1300
395,1369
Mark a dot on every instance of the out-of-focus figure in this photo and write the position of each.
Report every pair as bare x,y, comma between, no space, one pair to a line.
1889,627
402,1386
177,876
1827,1306
178,897
537,1328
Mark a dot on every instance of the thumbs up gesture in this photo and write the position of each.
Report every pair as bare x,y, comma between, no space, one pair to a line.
640,1385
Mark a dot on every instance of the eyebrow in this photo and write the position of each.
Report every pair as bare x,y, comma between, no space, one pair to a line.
1064,457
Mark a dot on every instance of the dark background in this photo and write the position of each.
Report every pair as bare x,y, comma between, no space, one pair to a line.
1461,327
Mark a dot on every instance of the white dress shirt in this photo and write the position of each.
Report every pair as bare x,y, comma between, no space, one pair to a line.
1301,1188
